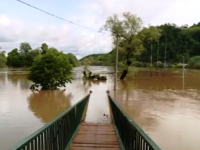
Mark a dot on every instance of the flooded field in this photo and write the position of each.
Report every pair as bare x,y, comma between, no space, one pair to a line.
165,103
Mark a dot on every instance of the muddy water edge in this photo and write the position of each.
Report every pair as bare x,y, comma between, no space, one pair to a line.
165,103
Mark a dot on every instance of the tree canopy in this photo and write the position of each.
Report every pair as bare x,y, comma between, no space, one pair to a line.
73,60
51,70
2,59
25,56
125,32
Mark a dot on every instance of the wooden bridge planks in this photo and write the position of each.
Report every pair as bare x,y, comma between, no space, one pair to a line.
95,137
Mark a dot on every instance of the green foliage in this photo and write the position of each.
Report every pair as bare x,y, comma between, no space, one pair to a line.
15,59
31,56
18,59
2,59
195,62
73,60
137,64
25,48
178,42
44,48
26,56
156,41
158,64
146,64
125,32
51,70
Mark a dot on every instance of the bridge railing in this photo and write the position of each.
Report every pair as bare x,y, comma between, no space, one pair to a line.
59,133
131,135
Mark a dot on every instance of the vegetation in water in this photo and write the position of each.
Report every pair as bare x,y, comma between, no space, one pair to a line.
194,62
156,46
87,74
168,43
51,70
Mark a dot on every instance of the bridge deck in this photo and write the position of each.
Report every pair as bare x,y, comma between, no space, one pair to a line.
95,137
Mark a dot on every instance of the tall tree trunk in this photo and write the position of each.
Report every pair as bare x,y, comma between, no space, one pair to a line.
116,63
124,73
128,62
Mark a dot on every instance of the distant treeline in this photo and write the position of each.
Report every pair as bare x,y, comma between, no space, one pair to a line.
25,56
174,44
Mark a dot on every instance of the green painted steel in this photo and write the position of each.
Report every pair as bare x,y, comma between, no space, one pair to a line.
132,136
57,134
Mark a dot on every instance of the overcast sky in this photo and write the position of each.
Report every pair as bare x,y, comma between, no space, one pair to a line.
20,23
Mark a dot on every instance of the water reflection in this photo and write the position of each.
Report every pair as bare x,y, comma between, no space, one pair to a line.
165,103
173,79
87,84
20,80
47,105
165,106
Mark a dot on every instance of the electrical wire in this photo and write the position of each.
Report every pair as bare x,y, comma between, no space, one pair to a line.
56,16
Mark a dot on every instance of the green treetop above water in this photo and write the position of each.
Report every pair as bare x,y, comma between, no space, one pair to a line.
51,70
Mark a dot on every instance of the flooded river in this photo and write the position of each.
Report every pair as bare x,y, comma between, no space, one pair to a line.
165,104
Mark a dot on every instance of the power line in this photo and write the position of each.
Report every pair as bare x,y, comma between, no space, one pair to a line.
56,16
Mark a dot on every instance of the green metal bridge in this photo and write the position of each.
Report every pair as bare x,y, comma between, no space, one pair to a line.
69,131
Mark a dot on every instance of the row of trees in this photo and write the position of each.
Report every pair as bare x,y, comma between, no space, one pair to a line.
167,43
173,43
25,56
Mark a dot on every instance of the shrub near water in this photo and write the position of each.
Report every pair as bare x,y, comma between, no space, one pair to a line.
194,62
51,70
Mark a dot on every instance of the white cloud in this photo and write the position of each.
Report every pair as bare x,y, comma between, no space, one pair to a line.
4,20
81,41
64,37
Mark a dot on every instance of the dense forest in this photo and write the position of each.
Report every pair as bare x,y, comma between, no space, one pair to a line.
25,56
172,44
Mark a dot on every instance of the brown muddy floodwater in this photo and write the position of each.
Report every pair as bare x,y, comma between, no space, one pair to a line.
165,104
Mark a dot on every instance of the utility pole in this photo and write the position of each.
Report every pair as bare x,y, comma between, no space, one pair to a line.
151,54
165,51
157,52
183,72
116,63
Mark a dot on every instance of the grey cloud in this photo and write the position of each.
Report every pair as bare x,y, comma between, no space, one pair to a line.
5,39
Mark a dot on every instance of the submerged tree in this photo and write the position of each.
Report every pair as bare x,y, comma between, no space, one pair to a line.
125,31
51,70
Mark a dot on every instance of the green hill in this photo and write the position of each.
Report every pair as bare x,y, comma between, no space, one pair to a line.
98,59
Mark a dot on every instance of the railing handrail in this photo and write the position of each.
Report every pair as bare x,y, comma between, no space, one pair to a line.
31,136
131,121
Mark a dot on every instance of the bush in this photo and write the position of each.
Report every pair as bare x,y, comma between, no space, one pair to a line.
160,64
137,64
180,65
197,65
170,66
51,70
146,64
194,62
